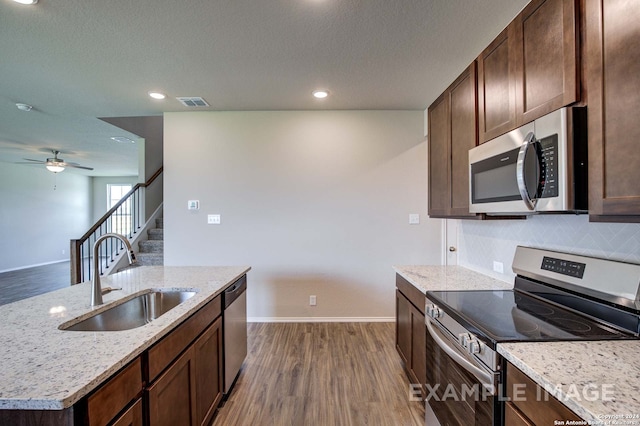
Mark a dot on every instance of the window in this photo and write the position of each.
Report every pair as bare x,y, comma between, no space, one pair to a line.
121,219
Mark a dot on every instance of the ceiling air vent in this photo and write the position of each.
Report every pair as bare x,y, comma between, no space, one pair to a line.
193,101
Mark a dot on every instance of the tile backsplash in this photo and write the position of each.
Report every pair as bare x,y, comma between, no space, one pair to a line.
483,242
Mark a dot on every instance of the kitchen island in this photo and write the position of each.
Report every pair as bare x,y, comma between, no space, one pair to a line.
45,368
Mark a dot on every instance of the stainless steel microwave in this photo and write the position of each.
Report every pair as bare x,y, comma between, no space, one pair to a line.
539,167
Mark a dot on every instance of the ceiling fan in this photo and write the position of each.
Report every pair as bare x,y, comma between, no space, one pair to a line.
57,165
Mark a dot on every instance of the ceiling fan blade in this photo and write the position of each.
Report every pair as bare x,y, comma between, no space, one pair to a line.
35,161
77,166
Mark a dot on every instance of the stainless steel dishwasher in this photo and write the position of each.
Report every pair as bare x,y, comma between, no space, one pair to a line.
234,325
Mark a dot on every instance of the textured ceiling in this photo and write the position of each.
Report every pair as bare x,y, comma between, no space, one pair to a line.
76,60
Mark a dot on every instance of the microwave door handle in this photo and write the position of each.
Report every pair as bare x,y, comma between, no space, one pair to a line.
485,378
522,184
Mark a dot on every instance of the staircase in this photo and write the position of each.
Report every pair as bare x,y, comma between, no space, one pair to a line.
151,252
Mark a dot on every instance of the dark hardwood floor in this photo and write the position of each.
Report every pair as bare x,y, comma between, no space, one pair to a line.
29,282
321,374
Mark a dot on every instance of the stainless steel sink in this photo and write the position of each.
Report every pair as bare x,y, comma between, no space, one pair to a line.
133,313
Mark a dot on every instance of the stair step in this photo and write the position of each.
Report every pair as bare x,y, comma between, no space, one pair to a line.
156,234
160,223
151,246
150,259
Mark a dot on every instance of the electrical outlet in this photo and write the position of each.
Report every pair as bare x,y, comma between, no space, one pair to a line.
312,300
414,219
64,251
498,267
213,219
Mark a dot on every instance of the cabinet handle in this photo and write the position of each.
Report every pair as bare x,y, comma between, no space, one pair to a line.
452,248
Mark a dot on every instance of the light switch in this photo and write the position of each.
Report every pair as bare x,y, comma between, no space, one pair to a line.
213,219
193,205
414,219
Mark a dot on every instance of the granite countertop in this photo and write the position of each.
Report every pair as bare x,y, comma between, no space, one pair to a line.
44,368
435,278
599,381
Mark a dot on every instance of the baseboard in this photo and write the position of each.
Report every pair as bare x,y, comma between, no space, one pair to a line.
34,266
321,319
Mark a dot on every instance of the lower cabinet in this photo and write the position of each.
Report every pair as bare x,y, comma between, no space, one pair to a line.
189,390
172,396
131,417
530,405
411,332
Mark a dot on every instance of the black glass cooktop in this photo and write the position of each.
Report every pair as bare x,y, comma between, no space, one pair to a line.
507,315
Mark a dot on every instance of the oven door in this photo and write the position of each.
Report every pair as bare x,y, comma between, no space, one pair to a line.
460,390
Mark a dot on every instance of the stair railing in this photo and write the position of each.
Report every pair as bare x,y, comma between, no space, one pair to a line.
126,217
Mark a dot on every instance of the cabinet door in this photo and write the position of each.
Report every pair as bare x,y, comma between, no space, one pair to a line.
513,417
131,417
464,136
208,369
418,346
403,328
172,396
439,157
496,86
546,58
613,79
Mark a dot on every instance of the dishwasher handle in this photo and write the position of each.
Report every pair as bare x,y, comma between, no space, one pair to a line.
234,291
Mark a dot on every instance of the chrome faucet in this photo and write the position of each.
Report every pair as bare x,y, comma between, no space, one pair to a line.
96,288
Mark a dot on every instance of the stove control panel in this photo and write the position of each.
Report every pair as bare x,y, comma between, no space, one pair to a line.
564,267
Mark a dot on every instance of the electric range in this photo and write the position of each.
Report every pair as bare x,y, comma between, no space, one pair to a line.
556,297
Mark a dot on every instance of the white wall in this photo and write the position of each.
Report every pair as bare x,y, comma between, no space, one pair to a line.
99,185
36,221
317,202
483,242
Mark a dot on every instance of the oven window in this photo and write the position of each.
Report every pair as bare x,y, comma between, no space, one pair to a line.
494,179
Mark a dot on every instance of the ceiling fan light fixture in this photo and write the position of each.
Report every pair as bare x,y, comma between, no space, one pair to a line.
26,1
157,95
55,168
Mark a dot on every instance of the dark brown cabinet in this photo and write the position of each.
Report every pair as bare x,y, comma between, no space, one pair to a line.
452,133
613,77
131,417
172,396
528,404
497,86
188,390
411,332
115,395
208,368
546,58
530,69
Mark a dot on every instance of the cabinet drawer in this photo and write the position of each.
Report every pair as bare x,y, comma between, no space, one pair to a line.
111,398
540,407
415,296
168,349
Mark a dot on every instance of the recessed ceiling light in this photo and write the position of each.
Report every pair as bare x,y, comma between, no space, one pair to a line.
24,107
320,94
26,1
157,95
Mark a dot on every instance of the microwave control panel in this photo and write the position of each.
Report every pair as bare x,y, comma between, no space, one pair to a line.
549,166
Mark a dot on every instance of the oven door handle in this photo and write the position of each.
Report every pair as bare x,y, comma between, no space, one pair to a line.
484,377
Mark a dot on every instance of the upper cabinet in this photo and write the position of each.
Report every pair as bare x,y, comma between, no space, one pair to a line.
613,79
452,133
497,86
530,69
547,68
